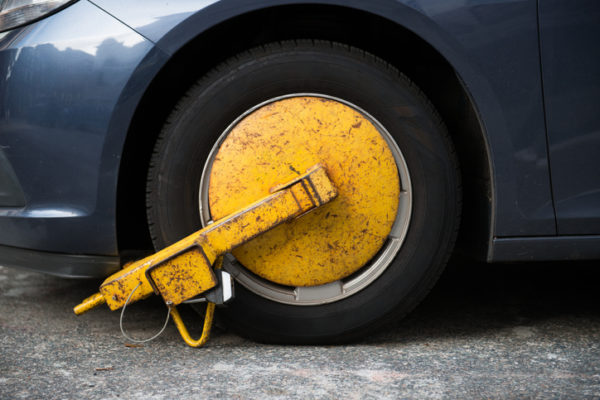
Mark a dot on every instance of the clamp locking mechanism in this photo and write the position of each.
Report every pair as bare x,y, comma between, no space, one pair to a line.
184,270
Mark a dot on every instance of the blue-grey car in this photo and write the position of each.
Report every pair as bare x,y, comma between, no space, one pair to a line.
113,113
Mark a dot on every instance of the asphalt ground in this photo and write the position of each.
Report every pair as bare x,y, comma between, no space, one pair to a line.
485,331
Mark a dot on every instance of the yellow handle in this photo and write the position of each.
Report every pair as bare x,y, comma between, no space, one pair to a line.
89,303
208,319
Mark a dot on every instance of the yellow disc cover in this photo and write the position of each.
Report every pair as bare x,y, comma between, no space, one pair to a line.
284,138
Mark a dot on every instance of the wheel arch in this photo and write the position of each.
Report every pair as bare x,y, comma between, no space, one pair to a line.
426,66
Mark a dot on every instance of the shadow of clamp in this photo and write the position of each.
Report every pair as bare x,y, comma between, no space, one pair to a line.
184,270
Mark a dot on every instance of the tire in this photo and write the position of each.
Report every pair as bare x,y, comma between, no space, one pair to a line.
356,77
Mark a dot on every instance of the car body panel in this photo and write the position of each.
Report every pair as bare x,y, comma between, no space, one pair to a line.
484,41
545,248
11,193
74,80
155,19
571,70
62,79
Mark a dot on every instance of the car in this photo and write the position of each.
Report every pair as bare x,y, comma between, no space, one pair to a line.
474,128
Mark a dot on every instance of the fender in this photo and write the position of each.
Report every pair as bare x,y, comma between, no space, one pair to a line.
492,47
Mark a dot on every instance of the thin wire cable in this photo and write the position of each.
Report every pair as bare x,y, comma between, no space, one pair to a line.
123,313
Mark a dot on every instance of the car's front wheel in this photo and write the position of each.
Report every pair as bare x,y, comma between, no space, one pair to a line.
369,256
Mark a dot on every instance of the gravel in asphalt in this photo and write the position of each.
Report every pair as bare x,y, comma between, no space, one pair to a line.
493,331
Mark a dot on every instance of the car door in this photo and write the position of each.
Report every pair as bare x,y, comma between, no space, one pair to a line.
570,61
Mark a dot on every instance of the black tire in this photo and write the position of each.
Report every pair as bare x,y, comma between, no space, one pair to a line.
343,72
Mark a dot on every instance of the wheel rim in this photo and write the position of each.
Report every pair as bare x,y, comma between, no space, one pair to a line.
349,284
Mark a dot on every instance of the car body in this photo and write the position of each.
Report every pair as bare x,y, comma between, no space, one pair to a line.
86,90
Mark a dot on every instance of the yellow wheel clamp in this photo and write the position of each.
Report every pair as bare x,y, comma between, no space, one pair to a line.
184,270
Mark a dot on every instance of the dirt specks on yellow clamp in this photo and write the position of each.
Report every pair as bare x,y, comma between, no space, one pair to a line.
280,140
183,270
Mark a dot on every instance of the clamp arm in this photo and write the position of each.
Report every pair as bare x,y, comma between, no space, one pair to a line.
183,270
